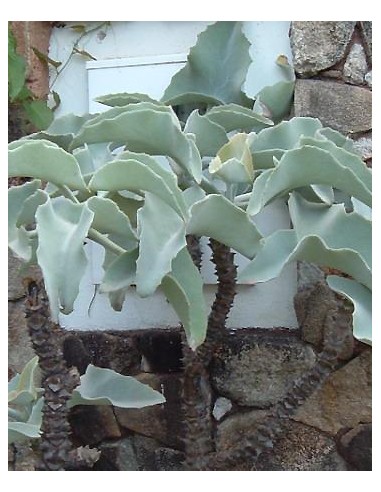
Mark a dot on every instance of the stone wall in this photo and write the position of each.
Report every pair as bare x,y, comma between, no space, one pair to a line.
255,368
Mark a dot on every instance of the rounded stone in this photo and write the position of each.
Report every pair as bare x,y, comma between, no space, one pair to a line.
356,447
258,370
355,67
319,45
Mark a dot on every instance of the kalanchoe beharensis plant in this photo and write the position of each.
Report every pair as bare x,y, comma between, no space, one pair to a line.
231,158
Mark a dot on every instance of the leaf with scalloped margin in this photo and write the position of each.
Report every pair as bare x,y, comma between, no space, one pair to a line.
235,117
209,136
121,273
101,386
361,298
124,98
204,80
147,128
215,216
302,167
22,431
62,227
22,387
162,235
44,160
183,288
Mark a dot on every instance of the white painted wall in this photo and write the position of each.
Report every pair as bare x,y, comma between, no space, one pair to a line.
142,57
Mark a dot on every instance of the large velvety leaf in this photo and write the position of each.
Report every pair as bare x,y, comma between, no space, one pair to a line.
22,431
136,176
234,117
121,273
361,297
183,288
62,227
162,236
18,238
109,219
100,386
305,166
209,136
144,127
46,161
322,235
22,389
124,98
217,217
275,100
215,70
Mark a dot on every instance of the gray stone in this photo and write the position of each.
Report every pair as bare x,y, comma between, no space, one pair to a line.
16,272
162,422
363,145
25,458
366,28
20,349
356,447
312,304
344,400
309,274
368,79
258,369
152,456
93,424
117,456
343,107
231,431
222,406
319,45
301,448
355,67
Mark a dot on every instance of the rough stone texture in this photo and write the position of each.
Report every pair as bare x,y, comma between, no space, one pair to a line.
258,369
368,79
308,274
117,456
302,448
222,406
343,107
363,145
20,349
236,426
138,453
355,67
356,447
366,29
93,424
162,422
319,45
16,274
311,306
344,400
24,457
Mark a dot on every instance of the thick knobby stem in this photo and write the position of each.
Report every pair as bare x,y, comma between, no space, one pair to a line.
58,381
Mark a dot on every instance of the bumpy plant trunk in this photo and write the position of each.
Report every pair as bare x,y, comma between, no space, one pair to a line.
58,381
196,398
267,433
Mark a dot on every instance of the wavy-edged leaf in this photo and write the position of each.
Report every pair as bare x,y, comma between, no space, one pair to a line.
62,227
124,98
183,288
217,217
128,205
136,176
274,101
204,80
101,386
347,159
121,273
305,166
337,138
233,162
46,161
361,209
109,219
22,431
18,238
235,117
209,136
168,176
162,236
144,127
192,195
30,206
22,389
273,142
322,235
361,298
